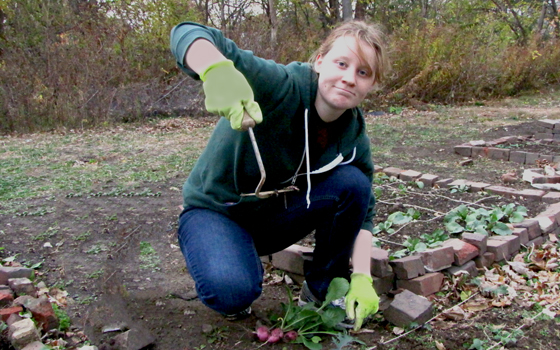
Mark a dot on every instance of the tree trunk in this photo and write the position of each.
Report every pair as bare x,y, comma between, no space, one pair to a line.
347,10
540,22
360,12
273,22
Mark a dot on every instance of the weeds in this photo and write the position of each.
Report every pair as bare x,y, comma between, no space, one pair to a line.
149,259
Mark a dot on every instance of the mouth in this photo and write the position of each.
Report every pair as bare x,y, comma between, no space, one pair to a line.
348,92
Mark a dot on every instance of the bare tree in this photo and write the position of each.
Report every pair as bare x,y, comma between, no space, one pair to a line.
347,10
273,22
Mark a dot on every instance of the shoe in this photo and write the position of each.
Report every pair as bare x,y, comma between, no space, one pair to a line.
239,316
306,297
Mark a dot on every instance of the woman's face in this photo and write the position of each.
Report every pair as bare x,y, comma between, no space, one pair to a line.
344,77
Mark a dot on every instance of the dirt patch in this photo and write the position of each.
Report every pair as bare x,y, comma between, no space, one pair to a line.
97,249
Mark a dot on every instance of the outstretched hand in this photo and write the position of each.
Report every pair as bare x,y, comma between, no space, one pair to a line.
229,94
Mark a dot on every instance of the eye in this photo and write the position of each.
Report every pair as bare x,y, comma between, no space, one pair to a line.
364,73
341,64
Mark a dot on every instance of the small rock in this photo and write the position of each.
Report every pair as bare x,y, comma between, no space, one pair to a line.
466,162
207,328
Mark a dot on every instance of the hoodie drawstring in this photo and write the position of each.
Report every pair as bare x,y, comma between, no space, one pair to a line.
307,162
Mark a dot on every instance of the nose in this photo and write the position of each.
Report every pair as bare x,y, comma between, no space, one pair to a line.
349,77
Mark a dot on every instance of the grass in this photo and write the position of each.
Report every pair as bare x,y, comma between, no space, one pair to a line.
124,160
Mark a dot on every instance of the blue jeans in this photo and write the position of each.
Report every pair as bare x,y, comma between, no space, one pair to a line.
222,252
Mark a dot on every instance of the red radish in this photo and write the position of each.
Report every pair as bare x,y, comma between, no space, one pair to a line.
290,336
262,333
275,335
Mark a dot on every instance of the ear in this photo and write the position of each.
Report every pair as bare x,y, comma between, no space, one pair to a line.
318,63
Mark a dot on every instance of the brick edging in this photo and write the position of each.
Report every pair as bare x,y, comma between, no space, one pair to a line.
423,272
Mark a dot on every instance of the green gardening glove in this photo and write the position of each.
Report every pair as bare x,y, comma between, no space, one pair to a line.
228,94
361,299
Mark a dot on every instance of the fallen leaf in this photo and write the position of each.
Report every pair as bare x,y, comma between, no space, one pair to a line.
477,305
455,314
549,313
398,330
440,346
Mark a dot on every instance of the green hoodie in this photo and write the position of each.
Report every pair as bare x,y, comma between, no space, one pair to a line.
286,95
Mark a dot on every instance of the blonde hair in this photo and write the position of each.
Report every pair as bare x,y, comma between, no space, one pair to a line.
369,33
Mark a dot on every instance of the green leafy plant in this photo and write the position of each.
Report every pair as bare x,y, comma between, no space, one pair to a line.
397,218
307,324
484,221
459,188
63,318
435,239
420,244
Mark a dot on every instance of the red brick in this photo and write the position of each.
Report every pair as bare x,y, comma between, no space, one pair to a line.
552,212
477,240
477,152
532,195
537,242
546,223
409,175
498,153
513,243
292,258
380,263
499,248
522,234
517,157
469,268
463,150
551,197
437,259
477,186
43,313
546,123
484,260
442,183
425,285
6,297
391,171
502,191
383,285
408,267
531,158
6,312
532,226
428,179
463,251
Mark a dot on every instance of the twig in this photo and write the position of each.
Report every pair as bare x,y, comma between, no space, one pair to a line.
431,319
125,243
408,205
417,221
170,91
386,241
453,199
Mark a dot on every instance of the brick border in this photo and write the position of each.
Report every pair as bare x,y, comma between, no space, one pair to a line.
488,149
423,272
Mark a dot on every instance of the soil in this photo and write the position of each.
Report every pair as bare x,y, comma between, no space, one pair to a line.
94,255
